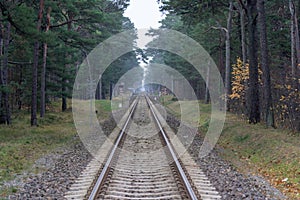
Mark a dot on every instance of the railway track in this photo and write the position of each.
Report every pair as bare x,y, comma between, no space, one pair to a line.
143,164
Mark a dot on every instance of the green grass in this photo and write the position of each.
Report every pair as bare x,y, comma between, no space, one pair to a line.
104,109
272,153
167,99
21,145
175,108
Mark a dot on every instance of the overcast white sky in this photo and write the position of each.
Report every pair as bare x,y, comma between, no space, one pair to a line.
144,13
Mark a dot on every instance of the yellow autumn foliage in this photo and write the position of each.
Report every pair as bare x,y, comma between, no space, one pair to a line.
240,74
240,77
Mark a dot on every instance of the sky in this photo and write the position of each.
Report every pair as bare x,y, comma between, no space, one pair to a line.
144,14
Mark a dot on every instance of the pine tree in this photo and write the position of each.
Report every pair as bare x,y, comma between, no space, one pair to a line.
35,67
267,100
253,91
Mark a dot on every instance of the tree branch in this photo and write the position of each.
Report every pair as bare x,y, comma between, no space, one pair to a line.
220,28
67,22
242,4
6,13
19,63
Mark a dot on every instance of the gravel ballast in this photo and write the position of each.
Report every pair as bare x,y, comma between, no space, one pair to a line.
63,168
228,181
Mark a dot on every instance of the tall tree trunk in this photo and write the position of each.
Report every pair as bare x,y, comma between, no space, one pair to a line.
111,87
43,75
269,115
63,92
1,72
243,34
35,69
228,65
221,63
295,61
65,80
297,40
34,85
103,92
64,100
20,91
207,83
97,95
5,96
293,43
253,99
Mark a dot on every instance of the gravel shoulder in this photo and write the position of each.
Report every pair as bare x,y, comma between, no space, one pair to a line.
61,173
230,183
57,170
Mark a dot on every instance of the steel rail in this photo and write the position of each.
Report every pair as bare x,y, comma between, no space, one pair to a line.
185,180
104,171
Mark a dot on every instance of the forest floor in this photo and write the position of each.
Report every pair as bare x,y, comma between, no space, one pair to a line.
254,149
23,148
